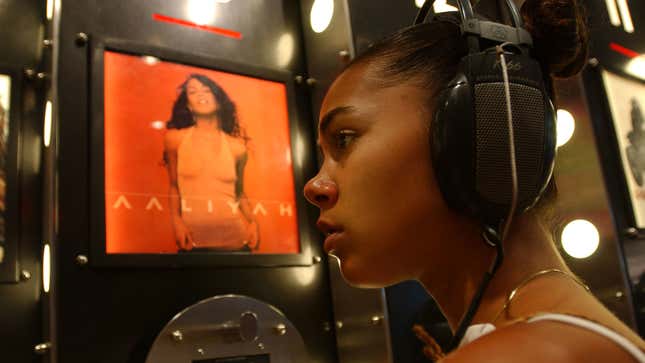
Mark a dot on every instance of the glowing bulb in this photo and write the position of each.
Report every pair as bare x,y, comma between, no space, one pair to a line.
439,6
201,12
623,8
636,67
565,125
48,124
580,238
158,125
321,13
50,9
46,267
285,49
150,60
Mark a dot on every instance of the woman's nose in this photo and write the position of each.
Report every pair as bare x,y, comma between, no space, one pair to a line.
321,192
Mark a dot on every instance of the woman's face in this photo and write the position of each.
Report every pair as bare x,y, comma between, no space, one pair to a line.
379,203
201,100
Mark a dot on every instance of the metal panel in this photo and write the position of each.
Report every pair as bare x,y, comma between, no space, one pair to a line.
20,48
113,314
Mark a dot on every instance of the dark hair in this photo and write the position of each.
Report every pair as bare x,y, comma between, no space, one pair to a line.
427,55
227,113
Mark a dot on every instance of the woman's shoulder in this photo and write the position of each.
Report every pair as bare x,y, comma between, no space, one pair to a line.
541,341
173,138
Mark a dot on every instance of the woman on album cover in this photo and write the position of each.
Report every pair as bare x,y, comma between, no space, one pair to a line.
205,150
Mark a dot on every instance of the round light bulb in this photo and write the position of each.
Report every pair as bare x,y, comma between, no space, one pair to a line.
321,13
565,125
580,238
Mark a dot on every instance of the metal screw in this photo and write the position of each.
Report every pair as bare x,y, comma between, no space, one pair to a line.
280,329
81,260
177,336
261,346
42,75
344,56
631,232
593,62
30,73
25,275
42,348
327,326
299,79
619,295
339,324
47,42
376,320
317,259
311,82
81,39
200,351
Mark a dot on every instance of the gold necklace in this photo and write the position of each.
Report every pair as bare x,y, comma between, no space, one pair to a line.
532,277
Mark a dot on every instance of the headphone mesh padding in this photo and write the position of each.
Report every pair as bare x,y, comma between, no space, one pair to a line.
493,170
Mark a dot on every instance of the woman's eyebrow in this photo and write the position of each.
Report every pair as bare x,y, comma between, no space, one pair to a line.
326,120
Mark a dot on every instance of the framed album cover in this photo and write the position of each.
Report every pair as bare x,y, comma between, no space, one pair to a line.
626,100
193,161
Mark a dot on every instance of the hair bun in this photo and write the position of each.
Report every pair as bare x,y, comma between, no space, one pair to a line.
559,32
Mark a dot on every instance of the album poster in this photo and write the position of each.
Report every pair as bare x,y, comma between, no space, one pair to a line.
5,103
196,160
626,99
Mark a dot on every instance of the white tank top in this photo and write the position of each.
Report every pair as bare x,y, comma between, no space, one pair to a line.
478,330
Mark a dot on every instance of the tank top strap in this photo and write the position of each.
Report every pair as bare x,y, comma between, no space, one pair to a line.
597,328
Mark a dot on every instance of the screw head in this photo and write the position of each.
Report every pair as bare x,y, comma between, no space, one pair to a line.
339,324
47,42
311,82
42,348
81,260
25,275
631,232
177,336
200,351
619,295
327,326
376,320
593,62
81,39
317,259
280,329
299,79
261,346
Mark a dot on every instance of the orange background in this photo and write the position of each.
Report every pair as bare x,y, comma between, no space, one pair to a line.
139,94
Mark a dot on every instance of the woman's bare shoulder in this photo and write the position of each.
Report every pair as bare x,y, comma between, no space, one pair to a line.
173,138
543,341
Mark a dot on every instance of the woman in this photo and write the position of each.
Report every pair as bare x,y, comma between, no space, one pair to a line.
205,153
386,220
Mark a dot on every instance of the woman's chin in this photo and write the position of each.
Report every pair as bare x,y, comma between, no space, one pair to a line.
363,277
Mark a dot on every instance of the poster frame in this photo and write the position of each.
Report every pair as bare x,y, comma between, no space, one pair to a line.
301,144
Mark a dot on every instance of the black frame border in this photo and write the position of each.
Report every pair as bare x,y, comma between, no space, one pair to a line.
299,135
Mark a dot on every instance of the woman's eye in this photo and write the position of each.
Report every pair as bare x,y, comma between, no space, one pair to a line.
343,138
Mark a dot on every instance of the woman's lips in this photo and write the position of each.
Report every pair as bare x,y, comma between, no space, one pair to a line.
332,232
331,241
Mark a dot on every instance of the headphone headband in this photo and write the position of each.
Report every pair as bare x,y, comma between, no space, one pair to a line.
495,31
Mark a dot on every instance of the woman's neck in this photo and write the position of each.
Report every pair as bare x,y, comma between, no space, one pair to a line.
527,250
207,123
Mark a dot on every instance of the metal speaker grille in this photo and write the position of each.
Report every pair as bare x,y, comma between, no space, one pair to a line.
493,170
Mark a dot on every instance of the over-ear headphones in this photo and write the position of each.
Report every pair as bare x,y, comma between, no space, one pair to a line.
469,133
493,136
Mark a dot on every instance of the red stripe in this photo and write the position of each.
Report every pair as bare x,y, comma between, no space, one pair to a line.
212,29
624,51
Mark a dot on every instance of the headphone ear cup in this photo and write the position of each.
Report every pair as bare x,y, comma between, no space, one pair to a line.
452,143
469,138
